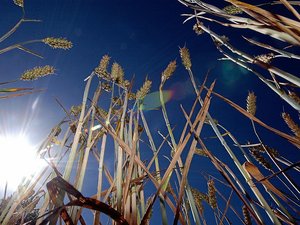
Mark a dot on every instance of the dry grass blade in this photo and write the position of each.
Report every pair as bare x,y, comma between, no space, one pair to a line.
127,149
20,94
291,139
201,118
218,166
254,172
281,171
59,184
272,20
291,8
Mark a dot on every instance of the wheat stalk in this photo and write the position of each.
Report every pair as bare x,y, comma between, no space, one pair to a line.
168,72
185,57
291,124
251,103
37,72
144,90
58,43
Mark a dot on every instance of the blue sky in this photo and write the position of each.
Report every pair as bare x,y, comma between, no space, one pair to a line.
143,36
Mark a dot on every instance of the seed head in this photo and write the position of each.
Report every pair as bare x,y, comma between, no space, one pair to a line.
199,197
265,58
101,69
212,199
197,28
291,124
168,72
247,218
232,10
200,152
37,72
60,43
259,158
144,90
117,73
185,57
19,3
251,103
263,148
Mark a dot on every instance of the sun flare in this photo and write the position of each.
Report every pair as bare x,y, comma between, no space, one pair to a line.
18,160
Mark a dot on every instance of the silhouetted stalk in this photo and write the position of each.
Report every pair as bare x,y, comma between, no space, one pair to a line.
174,149
249,160
89,143
119,176
284,174
225,145
157,169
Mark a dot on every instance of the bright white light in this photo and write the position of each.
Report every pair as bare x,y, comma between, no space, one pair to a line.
96,127
18,160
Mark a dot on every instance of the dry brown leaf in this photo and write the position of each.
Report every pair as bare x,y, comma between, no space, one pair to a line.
254,172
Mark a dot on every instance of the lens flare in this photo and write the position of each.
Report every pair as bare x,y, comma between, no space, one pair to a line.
18,160
152,100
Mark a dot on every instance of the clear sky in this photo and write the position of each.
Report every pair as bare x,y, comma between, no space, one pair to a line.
142,36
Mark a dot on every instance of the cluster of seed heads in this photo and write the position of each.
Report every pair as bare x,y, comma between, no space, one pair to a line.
168,72
212,199
291,124
60,43
266,58
232,10
144,90
116,75
37,72
247,218
185,57
259,158
251,103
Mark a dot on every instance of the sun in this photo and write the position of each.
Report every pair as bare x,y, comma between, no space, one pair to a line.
18,160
